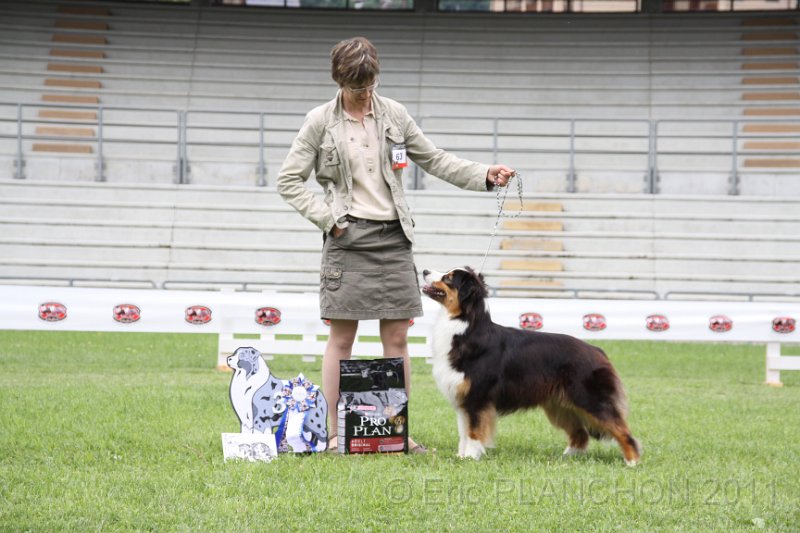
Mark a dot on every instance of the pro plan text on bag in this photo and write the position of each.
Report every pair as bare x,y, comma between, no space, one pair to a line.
373,406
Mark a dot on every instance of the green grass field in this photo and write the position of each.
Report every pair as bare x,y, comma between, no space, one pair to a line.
103,431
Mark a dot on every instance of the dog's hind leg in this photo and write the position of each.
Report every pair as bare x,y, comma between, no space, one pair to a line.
606,421
601,401
617,428
573,425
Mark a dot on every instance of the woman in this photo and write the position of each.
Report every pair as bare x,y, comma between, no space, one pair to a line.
358,144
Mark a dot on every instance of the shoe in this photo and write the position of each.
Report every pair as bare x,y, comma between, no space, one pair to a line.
333,445
418,449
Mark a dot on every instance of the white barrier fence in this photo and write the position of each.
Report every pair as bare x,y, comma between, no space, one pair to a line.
289,323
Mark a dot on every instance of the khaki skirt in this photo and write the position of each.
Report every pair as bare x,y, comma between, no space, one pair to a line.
368,273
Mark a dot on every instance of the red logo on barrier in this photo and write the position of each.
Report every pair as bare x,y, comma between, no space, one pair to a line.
268,316
594,322
720,323
531,321
657,323
783,324
198,314
127,313
52,311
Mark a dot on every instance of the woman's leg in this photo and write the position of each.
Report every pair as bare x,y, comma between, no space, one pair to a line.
394,336
339,347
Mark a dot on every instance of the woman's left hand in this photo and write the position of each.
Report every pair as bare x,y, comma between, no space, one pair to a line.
499,175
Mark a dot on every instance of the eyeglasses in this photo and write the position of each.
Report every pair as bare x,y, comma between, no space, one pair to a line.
362,90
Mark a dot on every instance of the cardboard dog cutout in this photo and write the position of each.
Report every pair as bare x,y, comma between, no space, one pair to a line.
293,412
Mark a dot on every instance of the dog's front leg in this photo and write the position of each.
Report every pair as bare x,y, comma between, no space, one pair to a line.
473,449
463,430
468,448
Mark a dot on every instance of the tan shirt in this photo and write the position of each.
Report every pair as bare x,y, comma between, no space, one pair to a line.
320,148
372,198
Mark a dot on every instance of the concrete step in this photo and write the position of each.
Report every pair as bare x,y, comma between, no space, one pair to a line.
75,68
72,84
771,112
769,51
771,65
62,230
771,80
771,163
77,53
63,148
127,252
86,211
771,96
530,283
62,114
519,243
532,265
88,25
771,128
533,225
83,10
65,132
71,99
306,235
750,22
72,38
250,259
772,145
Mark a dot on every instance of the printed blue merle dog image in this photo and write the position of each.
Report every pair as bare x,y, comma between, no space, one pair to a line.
294,410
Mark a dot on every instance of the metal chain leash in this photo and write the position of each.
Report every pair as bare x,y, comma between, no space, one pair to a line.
501,200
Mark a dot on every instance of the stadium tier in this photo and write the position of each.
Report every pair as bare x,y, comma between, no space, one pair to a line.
702,104
634,246
139,144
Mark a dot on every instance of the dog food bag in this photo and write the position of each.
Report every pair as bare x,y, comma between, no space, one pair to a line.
373,406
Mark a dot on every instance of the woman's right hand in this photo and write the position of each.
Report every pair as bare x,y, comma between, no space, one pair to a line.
337,232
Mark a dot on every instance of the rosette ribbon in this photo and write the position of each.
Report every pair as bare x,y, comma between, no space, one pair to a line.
295,400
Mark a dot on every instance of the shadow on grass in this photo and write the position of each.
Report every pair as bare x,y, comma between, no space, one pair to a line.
599,452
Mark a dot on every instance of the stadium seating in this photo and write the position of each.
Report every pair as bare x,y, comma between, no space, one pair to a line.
635,66
172,236
519,89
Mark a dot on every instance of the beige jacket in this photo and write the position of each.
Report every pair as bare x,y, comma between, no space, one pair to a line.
320,146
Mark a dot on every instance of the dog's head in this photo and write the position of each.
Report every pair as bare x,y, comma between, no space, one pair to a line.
247,359
461,291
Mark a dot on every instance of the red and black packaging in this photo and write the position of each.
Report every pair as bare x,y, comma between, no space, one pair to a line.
373,406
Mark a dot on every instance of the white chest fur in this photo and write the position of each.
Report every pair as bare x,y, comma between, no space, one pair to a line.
447,379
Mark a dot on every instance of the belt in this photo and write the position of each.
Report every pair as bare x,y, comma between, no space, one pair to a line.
351,218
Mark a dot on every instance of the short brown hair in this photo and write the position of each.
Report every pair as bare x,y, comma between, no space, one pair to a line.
354,62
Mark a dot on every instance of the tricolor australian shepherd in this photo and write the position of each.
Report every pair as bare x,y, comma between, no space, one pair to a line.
485,369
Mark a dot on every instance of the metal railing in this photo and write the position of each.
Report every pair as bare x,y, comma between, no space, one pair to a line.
255,140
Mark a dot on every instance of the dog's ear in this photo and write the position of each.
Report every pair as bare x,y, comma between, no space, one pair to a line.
481,282
477,275
245,365
471,290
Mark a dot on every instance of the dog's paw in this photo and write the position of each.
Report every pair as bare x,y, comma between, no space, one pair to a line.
473,450
571,452
475,457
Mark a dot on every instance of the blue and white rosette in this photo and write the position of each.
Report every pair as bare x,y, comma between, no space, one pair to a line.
295,400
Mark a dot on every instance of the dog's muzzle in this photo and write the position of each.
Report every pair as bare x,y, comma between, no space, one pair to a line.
430,277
